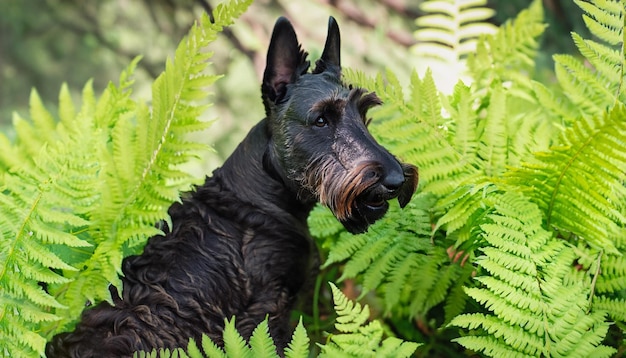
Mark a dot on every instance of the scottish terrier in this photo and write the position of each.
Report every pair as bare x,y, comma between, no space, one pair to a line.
239,245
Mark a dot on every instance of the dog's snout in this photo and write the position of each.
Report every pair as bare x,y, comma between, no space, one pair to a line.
393,180
390,178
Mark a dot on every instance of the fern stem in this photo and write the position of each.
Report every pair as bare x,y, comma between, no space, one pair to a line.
316,309
594,280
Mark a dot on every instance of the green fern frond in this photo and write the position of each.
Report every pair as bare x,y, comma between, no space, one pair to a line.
616,307
593,90
209,347
605,19
613,275
260,345
261,342
508,56
534,309
493,140
464,209
456,299
350,315
299,344
394,248
42,202
345,246
324,225
448,276
583,181
80,191
358,339
503,66
141,173
449,29
582,86
447,33
608,274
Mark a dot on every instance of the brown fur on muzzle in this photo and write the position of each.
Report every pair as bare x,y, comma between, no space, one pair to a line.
338,189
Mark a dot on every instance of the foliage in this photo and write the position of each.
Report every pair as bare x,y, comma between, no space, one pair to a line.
537,308
513,243
449,30
357,339
80,193
447,35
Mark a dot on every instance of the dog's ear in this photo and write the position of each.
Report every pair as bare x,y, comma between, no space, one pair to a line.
285,61
331,56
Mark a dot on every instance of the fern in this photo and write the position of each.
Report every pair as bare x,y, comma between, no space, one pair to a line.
358,339
462,147
143,175
42,206
81,192
299,345
534,308
448,32
512,169
508,56
355,335
592,91
580,186
450,29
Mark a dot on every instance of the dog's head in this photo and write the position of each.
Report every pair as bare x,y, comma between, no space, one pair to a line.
320,146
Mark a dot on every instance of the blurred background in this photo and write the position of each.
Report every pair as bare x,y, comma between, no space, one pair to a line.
44,43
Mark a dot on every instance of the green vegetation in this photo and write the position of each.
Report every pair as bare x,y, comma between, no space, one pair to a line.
512,246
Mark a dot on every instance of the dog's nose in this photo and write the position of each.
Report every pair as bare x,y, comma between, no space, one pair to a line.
393,180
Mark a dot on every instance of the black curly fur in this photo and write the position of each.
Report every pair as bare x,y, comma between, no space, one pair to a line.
231,252
239,245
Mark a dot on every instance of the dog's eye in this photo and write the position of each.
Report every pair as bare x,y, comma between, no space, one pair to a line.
321,122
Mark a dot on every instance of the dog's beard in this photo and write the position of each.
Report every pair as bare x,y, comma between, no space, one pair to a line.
356,197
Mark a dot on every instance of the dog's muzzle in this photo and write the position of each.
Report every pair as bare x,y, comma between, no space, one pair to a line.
372,204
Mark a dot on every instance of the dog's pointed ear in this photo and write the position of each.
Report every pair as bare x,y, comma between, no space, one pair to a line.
332,48
331,56
285,60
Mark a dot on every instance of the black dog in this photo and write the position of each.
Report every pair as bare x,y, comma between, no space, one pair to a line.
239,245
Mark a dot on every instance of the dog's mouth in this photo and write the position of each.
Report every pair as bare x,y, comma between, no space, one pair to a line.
366,209
373,203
